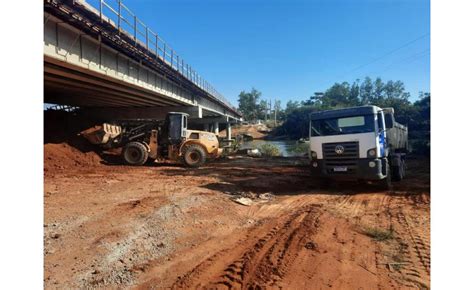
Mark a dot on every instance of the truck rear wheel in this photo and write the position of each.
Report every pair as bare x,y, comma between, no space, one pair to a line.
194,156
135,153
399,171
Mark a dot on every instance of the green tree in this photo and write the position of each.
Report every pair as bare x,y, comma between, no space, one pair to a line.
263,110
366,91
340,95
248,104
390,94
378,94
296,124
395,90
291,106
354,93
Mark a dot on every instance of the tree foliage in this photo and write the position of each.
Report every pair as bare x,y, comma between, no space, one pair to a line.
249,104
390,94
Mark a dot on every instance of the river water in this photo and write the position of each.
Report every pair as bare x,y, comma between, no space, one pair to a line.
287,148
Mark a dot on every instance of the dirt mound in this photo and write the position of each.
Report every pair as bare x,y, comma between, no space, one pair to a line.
63,148
256,131
63,156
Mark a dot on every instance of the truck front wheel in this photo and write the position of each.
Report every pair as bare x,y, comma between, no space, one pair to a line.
386,183
135,153
194,156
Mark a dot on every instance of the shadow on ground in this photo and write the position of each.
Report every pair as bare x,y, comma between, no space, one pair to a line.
289,176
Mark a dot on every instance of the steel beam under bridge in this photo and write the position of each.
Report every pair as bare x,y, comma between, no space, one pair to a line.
82,67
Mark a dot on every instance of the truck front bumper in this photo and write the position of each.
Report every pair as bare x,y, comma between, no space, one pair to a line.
365,169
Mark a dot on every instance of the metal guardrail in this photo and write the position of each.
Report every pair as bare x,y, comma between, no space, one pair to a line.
128,22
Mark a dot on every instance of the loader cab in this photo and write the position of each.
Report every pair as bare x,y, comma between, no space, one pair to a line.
175,127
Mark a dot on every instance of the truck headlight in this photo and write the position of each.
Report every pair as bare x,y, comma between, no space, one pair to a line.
313,155
371,164
315,164
371,152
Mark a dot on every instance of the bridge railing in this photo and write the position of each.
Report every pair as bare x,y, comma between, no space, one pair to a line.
127,22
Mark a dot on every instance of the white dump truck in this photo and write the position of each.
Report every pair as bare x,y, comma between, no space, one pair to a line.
359,143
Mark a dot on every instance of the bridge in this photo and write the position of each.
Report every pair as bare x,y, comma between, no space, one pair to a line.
104,59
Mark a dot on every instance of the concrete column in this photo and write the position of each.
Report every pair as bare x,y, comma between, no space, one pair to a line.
228,131
216,127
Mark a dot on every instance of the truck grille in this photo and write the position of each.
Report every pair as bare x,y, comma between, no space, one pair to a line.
348,158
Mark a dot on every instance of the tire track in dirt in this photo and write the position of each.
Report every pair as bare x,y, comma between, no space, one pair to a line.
416,250
261,264
408,255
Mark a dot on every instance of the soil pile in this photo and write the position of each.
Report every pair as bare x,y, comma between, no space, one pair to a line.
63,148
256,131
62,156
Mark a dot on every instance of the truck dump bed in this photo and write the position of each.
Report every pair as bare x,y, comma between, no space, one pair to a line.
397,135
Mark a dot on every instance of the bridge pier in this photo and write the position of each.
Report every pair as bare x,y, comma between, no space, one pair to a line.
228,131
216,128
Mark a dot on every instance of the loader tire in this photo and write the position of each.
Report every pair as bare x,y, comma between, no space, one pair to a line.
194,156
135,153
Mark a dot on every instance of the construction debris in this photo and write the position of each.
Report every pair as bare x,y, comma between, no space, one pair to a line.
254,153
248,198
243,201
266,196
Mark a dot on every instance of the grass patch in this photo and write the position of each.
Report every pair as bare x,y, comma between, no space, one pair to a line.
299,148
379,234
269,150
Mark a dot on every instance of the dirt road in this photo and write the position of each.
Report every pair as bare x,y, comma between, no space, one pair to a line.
165,226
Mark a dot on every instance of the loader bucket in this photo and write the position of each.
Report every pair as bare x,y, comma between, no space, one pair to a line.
101,134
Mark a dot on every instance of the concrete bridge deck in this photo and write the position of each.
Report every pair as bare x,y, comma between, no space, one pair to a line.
93,61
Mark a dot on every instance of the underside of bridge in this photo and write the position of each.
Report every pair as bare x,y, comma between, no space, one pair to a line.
91,64
68,84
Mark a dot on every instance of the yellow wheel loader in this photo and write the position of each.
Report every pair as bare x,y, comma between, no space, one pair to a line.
143,140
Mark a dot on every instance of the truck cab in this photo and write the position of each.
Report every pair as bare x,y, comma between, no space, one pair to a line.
361,143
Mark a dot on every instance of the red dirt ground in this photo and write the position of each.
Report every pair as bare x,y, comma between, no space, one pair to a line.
165,226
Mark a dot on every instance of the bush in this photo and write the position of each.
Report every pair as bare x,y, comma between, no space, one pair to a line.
300,148
269,150
379,234
421,147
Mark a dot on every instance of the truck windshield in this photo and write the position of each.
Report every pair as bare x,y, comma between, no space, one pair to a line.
343,125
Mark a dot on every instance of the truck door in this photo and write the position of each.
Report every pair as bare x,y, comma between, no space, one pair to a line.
382,136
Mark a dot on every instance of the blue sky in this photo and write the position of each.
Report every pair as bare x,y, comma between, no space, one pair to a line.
290,49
